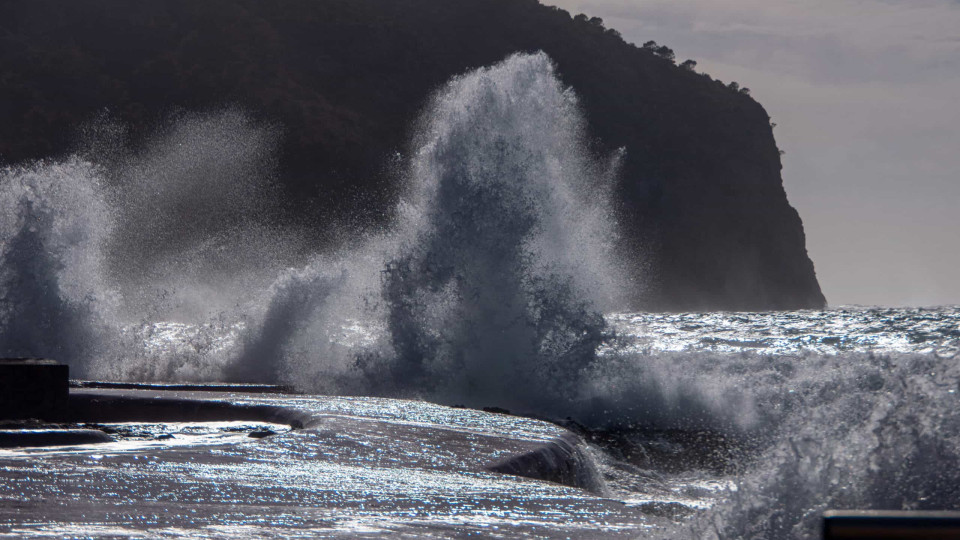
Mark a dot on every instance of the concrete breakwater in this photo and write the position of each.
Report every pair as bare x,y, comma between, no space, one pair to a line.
353,467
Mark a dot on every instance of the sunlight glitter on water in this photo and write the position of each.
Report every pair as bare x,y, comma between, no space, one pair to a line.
834,331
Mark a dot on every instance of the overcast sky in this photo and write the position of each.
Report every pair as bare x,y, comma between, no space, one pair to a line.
865,96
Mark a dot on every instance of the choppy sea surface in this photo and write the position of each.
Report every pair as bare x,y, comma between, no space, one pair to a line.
727,422
844,329
733,421
771,418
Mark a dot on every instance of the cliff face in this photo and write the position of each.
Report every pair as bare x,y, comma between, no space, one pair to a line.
702,201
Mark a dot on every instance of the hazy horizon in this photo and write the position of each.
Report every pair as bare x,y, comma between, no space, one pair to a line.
863,93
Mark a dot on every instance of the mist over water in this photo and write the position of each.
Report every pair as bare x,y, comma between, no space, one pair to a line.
195,209
140,264
497,285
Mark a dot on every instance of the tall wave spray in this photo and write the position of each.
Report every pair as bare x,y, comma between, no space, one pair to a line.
488,289
490,286
505,262
53,231
139,264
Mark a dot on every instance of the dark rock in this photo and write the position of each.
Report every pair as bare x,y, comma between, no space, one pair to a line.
33,388
701,199
561,460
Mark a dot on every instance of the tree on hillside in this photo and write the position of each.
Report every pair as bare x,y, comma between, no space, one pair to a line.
665,52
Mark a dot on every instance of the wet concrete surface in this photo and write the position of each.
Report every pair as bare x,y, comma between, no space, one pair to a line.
357,467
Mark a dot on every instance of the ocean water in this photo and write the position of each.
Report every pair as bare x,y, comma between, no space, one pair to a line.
497,284
771,418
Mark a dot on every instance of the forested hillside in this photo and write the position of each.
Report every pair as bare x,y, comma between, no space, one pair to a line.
701,198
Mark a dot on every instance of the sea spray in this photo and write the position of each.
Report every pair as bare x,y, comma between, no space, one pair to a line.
505,261
770,440
195,206
488,288
197,247
853,431
54,229
142,263
317,323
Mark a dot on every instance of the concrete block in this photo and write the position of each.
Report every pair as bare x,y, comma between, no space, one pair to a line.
33,388
890,525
